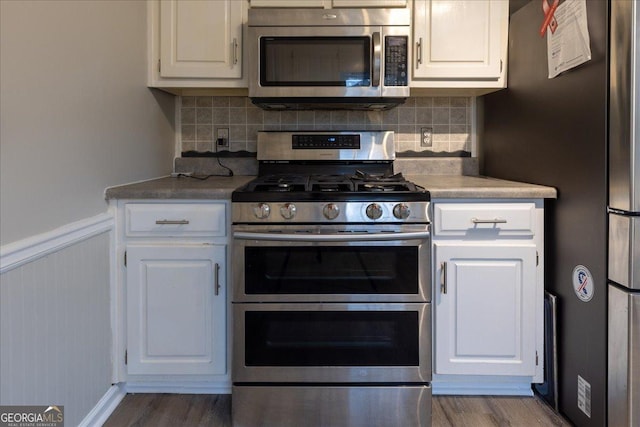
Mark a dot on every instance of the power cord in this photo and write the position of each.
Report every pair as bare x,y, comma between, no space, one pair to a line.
230,172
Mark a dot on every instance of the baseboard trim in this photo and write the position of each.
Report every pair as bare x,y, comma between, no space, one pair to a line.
27,250
479,389
179,388
105,407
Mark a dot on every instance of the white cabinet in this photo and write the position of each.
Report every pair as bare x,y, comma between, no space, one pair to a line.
485,311
172,297
488,295
176,308
196,43
460,43
328,3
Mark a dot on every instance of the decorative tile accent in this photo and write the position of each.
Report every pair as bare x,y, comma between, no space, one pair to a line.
448,117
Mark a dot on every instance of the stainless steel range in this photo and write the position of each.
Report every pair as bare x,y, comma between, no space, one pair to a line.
332,288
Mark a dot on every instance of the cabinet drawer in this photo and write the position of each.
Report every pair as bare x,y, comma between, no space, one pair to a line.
175,219
501,219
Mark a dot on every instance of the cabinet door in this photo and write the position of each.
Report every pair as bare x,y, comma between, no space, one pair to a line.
458,39
176,316
200,38
485,309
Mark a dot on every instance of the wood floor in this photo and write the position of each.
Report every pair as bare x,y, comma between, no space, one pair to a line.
173,410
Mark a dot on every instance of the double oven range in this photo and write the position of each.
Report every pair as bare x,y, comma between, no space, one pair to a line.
331,286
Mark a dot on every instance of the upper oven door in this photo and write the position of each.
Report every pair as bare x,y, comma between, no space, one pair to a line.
340,267
308,62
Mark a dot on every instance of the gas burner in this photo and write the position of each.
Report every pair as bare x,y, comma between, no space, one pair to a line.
364,176
330,183
279,183
381,187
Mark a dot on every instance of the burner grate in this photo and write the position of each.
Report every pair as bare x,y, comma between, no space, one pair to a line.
331,183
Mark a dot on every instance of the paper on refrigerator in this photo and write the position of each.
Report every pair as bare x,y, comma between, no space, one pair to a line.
568,46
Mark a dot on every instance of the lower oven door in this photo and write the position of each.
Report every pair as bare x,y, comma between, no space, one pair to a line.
299,264
332,343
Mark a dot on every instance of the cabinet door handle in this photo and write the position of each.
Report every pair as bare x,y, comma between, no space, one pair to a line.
419,52
235,51
489,221
216,274
443,277
172,221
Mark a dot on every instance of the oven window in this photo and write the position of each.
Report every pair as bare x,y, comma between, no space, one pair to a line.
315,61
331,338
331,270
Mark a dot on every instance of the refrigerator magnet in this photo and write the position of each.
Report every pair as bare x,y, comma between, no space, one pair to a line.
583,283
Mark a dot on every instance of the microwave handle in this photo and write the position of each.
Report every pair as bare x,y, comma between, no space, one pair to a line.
377,53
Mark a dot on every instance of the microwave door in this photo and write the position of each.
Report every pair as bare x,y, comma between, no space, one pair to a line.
316,62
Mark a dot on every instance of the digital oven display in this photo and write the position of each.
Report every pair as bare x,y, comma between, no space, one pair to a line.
328,141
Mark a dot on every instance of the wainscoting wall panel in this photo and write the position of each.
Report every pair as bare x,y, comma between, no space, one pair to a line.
55,330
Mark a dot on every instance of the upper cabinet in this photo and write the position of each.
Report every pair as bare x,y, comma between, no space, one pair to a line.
460,43
327,4
460,46
196,43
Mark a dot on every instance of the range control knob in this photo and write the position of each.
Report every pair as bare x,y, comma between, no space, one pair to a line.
262,211
401,211
374,211
331,211
288,210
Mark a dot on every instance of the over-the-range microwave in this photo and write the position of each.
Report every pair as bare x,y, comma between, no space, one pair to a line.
329,58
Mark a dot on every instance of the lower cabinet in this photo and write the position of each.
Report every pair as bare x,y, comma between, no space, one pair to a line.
176,309
488,281
171,319
485,315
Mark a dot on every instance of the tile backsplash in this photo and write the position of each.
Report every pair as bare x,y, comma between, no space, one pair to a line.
448,117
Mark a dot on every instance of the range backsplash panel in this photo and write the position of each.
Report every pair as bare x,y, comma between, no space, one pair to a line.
448,117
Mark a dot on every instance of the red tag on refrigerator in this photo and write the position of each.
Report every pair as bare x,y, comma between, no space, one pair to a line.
549,19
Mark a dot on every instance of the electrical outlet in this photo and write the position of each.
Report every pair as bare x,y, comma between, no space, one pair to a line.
426,137
222,138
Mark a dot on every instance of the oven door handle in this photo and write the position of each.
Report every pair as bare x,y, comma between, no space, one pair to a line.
342,237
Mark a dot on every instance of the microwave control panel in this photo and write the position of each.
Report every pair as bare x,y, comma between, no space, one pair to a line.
395,61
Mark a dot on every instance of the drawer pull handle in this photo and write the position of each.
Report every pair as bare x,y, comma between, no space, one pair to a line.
216,274
489,221
172,221
443,277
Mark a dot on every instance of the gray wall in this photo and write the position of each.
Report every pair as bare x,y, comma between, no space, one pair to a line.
76,117
76,114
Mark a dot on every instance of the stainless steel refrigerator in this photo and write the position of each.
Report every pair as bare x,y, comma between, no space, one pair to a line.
578,132
624,217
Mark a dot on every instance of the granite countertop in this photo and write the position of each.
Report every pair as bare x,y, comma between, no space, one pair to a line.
440,186
182,187
480,187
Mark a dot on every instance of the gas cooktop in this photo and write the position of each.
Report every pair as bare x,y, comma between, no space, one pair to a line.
357,186
337,176
315,186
